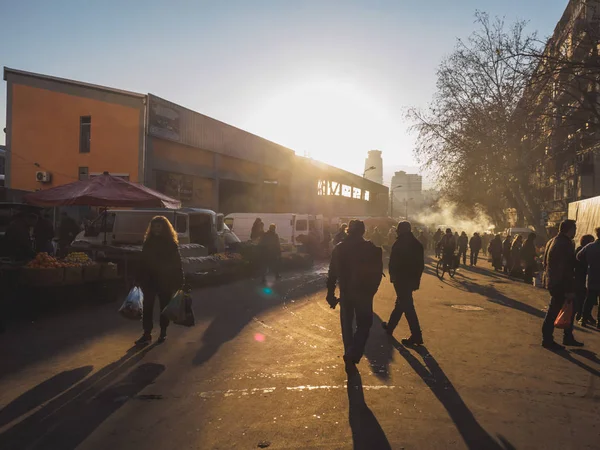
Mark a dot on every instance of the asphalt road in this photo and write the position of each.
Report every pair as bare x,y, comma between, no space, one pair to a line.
263,368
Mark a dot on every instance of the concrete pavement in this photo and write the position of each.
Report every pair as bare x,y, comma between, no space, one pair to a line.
263,368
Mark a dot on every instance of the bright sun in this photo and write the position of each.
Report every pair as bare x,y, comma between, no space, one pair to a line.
334,122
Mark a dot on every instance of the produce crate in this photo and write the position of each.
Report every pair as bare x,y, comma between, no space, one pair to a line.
73,275
43,277
109,272
91,272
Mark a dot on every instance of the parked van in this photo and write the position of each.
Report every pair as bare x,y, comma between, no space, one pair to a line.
128,227
290,226
522,231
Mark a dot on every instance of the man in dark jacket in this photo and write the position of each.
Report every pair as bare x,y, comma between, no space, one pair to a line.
437,237
475,245
463,243
67,231
506,254
407,263
495,250
354,264
590,255
581,272
271,252
560,276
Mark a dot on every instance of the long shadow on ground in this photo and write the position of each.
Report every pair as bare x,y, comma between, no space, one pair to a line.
473,434
231,314
379,351
67,420
367,434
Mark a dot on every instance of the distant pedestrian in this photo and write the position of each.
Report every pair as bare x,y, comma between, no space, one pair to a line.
560,277
485,243
377,237
67,231
590,254
463,243
160,274
340,235
258,230
407,263
506,255
581,274
357,265
270,247
528,257
475,245
495,250
515,255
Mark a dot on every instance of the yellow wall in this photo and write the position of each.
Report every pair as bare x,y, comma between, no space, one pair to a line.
45,130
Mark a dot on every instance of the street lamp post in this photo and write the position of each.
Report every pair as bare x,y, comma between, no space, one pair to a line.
367,169
392,200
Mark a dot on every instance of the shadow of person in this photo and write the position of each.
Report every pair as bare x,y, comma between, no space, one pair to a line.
565,354
42,393
367,434
379,351
473,434
67,420
587,354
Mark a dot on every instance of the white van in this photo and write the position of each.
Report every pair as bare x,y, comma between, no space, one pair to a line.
128,226
290,226
522,231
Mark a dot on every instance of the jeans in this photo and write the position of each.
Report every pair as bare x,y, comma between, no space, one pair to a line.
590,302
556,303
474,255
359,307
164,297
404,305
462,252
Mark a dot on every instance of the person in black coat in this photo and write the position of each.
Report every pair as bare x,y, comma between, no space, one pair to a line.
528,255
495,250
581,271
506,254
160,274
407,263
271,252
475,245
463,243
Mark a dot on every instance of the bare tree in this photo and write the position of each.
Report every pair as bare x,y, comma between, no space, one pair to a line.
470,136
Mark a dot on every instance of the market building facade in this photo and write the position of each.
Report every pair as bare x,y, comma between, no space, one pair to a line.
59,131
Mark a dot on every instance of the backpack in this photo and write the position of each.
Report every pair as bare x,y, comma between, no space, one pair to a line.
367,268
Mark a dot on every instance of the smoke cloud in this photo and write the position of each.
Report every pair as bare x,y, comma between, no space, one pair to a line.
448,217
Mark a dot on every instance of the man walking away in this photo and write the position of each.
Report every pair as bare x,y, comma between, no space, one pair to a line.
560,276
475,245
424,240
357,265
340,235
581,270
506,246
528,255
495,250
407,263
271,252
463,243
590,254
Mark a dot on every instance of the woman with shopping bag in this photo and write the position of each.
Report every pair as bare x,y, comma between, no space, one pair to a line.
160,274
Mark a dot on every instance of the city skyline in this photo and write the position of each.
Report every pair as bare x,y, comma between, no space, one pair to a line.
327,80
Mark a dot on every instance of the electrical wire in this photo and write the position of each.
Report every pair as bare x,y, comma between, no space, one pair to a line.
40,166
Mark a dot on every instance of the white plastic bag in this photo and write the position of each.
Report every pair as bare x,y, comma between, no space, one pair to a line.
179,310
133,305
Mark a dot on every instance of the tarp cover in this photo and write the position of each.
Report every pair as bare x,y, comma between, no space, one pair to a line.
104,190
587,215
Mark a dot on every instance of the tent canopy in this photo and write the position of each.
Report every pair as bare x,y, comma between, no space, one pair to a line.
104,190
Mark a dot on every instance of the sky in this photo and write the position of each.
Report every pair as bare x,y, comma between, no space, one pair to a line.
328,79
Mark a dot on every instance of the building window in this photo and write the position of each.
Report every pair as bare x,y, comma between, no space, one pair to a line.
356,193
367,196
346,190
85,133
83,173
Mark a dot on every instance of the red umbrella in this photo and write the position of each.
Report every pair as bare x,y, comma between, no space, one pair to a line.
104,190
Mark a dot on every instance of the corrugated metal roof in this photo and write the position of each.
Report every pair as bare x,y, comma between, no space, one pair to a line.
8,70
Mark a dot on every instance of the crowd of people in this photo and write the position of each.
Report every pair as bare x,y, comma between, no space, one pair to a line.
570,275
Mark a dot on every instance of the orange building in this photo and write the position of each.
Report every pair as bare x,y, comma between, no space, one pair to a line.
60,130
